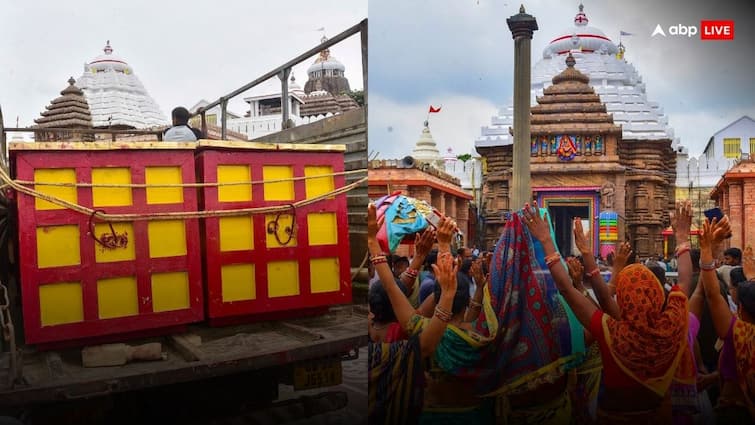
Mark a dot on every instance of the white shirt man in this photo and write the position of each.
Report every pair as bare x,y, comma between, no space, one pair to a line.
179,133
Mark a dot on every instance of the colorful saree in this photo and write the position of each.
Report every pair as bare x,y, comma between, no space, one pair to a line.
649,343
396,384
744,349
537,341
534,326
457,358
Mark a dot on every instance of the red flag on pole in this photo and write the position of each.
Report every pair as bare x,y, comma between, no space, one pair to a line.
433,110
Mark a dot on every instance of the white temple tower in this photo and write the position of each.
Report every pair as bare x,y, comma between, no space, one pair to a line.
116,97
426,150
615,80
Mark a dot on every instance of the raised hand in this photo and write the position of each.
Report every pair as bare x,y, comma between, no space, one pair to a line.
576,272
424,241
580,239
621,257
445,273
681,220
537,225
372,224
714,232
478,274
446,229
748,263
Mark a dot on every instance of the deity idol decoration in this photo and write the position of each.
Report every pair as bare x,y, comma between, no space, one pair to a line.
567,150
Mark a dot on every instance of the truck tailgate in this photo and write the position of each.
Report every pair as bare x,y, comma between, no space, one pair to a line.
59,375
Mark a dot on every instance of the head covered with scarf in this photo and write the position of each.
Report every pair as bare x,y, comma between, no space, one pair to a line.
649,342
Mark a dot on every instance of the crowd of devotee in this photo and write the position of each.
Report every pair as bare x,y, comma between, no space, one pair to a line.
521,335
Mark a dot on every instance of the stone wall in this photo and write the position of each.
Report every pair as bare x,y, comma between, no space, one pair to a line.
650,192
735,195
495,191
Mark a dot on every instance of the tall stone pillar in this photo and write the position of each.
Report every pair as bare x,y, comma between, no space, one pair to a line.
522,26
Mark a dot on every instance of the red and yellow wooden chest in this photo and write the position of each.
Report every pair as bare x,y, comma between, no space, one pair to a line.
254,263
74,287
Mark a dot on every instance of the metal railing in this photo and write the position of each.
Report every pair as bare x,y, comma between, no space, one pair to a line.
283,72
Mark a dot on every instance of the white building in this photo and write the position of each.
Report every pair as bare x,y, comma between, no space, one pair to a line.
732,141
724,148
615,80
115,95
265,115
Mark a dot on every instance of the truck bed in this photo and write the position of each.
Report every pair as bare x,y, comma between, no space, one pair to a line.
59,375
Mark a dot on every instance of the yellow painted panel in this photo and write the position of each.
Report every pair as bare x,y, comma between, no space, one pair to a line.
61,303
55,175
284,221
167,238
111,196
236,234
320,185
106,255
322,229
282,278
278,191
117,297
164,175
324,275
58,246
234,174
170,291
238,282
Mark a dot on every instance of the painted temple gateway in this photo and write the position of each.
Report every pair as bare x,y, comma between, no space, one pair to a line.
599,149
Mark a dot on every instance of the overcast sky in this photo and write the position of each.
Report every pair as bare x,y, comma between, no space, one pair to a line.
459,53
180,51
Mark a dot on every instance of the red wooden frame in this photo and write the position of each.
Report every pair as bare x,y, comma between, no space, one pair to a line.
262,305
89,271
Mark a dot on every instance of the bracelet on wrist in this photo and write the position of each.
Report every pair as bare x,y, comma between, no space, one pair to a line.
552,259
411,273
378,259
708,266
443,314
474,304
593,273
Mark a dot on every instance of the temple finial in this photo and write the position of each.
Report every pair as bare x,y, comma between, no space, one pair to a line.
570,62
521,9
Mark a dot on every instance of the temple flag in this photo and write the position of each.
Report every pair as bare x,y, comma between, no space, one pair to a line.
434,110
625,33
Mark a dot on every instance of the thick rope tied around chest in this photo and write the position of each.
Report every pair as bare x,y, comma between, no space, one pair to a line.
274,226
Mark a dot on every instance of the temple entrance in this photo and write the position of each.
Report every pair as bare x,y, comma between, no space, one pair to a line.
562,214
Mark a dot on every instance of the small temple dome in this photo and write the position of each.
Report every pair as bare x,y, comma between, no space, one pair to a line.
426,150
580,37
325,62
69,111
108,61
